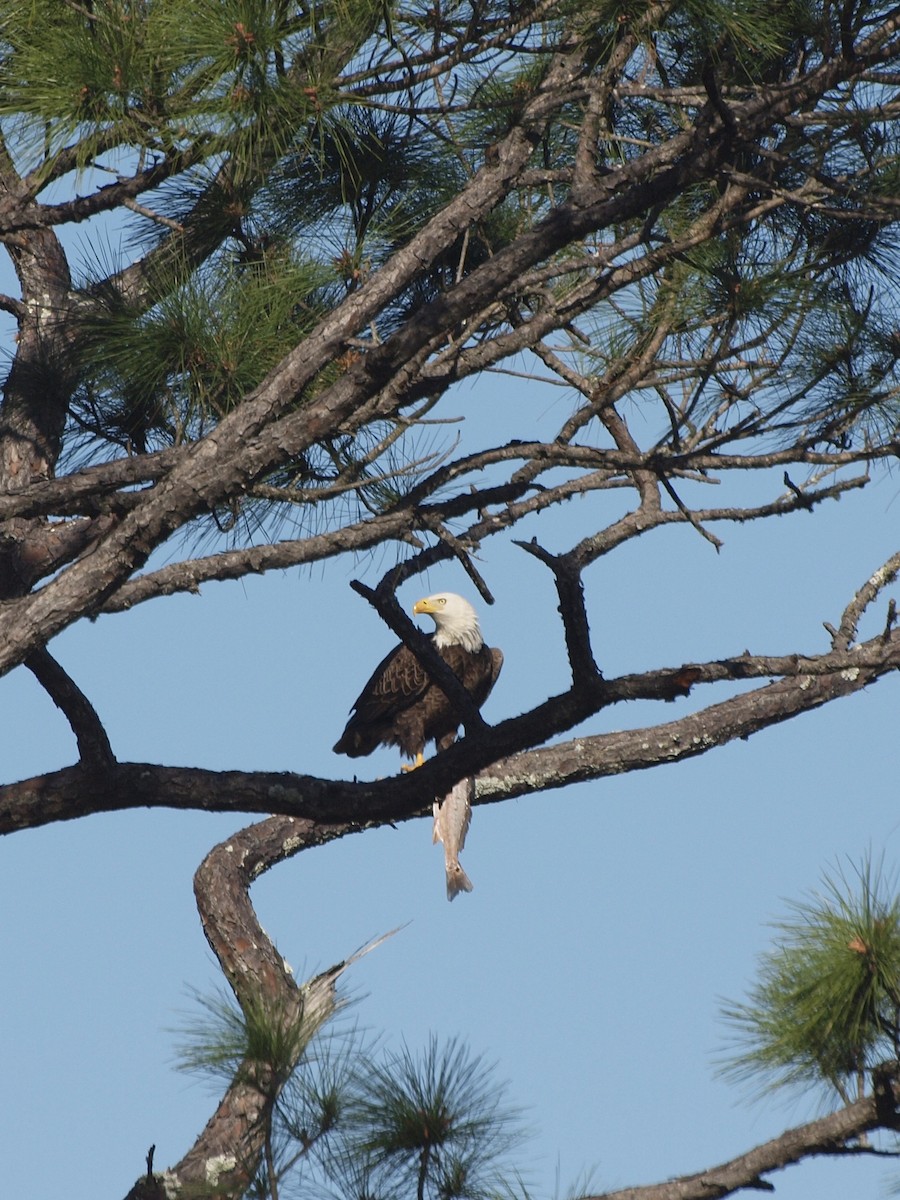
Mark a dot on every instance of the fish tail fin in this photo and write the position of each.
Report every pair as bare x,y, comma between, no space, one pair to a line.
457,881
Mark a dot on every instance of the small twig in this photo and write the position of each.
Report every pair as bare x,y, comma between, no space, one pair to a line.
83,10
157,218
94,749
150,1154
890,620
341,484
802,499
682,508
462,554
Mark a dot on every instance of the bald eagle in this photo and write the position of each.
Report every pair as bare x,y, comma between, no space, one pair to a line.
400,706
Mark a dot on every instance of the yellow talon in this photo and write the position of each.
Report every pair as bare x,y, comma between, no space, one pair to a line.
407,767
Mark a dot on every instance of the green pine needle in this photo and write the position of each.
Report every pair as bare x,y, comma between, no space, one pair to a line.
826,1005
256,1043
435,1125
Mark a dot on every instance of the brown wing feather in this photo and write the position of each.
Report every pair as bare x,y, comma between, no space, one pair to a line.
395,684
399,706
477,672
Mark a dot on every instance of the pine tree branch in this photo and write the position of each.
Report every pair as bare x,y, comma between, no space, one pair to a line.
106,198
187,576
234,1139
685,157
94,749
832,1134
502,768
213,470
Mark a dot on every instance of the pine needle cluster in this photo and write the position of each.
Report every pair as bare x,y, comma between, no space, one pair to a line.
350,1119
826,1006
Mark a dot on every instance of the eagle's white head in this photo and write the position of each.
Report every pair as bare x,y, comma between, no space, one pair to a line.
455,618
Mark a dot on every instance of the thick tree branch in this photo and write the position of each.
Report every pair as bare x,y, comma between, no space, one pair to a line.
229,1149
85,488
502,769
234,1136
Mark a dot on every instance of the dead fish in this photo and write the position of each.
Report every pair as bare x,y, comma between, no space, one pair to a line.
451,823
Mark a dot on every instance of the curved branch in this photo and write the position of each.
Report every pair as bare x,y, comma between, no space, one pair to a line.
93,744
232,1142
229,1149
827,1135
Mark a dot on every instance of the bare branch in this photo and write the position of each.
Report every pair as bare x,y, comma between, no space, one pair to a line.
234,564
830,1134
806,685
867,594
585,673
94,749
236,1132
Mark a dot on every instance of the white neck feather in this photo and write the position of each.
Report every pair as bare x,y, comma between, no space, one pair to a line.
458,625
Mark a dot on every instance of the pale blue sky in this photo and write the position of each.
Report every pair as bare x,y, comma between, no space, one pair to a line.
608,920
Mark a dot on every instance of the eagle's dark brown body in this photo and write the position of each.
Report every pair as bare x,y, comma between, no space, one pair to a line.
400,706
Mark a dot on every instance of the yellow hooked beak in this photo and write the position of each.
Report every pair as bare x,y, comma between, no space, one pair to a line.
426,605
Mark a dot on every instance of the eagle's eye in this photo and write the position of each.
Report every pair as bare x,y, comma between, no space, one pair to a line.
442,600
